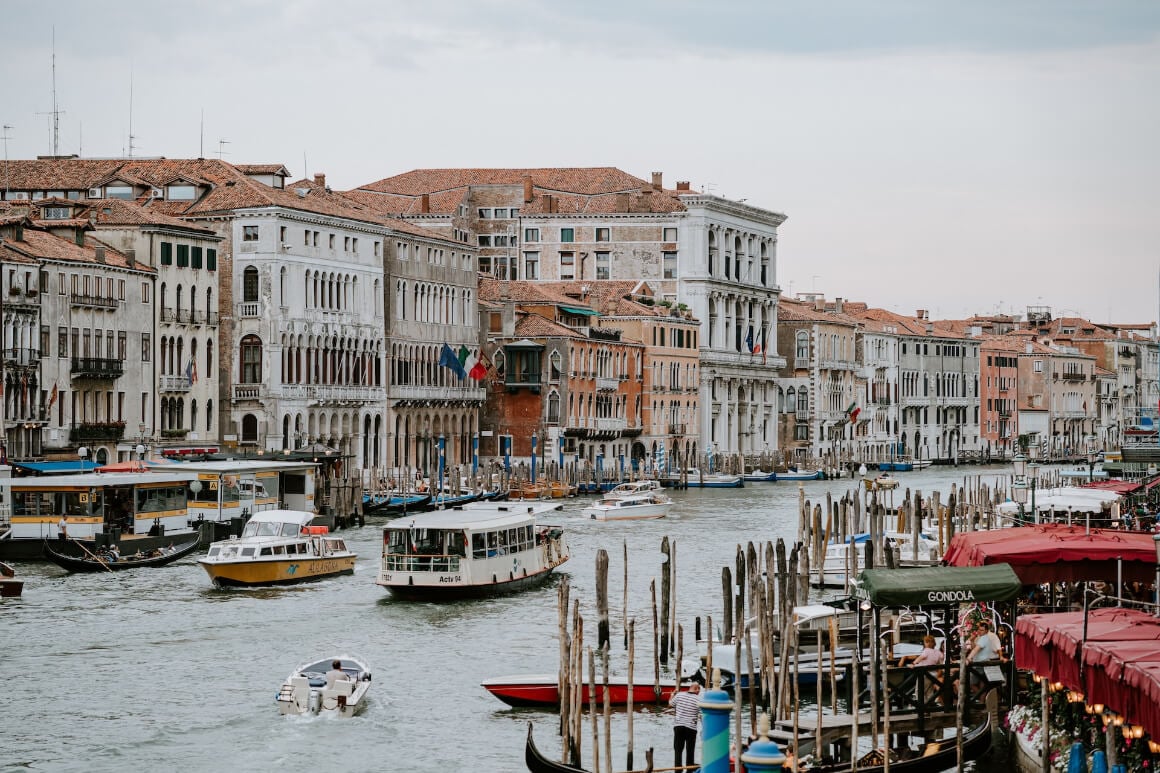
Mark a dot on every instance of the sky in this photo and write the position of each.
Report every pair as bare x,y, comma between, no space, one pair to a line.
959,157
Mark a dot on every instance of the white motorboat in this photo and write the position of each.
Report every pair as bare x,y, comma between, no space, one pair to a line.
278,547
694,478
480,549
652,504
836,571
631,488
312,689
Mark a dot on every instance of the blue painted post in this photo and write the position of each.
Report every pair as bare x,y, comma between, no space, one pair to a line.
475,455
1099,762
442,447
1077,762
763,755
621,464
533,457
716,709
560,448
507,454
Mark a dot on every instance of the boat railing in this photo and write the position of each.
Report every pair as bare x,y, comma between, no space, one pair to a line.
421,563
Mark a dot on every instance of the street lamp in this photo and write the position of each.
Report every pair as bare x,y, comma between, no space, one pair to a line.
1033,467
1156,540
83,453
1019,494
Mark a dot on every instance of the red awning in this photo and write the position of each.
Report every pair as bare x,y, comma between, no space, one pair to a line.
1114,484
1121,658
1055,552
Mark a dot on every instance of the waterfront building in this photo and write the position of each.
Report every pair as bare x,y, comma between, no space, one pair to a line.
703,253
876,435
821,377
558,375
93,346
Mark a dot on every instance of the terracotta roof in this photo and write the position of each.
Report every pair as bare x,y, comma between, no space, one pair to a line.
112,212
535,326
574,190
43,245
262,169
799,311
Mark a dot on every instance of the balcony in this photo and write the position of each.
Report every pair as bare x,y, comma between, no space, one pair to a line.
676,429
174,434
175,384
21,357
97,367
802,415
211,318
1075,377
607,384
250,310
196,317
351,394
881,401
183,315
836,365
405,393
96,431
801,363
93,302
610,425
523,381
167,314
247,391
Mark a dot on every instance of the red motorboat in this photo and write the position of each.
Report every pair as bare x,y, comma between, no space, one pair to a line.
543,690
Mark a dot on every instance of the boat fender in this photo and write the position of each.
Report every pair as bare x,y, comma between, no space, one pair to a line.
511,576
494,579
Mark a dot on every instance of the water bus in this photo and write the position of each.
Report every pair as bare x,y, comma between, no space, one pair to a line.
278,547
480,549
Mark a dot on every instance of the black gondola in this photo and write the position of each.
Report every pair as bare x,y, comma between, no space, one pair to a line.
935,757
80,561
538,763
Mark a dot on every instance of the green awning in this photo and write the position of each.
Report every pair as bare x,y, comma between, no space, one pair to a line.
585,312
938,585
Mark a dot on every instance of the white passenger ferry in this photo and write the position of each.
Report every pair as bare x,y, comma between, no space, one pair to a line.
480,549
278,547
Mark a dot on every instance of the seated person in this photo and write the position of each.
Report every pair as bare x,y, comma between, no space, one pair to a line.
335,673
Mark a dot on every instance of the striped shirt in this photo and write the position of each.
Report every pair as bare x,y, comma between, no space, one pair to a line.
688,710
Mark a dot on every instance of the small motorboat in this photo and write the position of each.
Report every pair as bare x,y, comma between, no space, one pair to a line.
395,503
652,504
799,474
694,478
559,489
932,757
75,557
760,476
278,547
311,689
10,587
543,690
881,483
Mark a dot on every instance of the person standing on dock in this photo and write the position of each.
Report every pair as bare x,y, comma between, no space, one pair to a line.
62,528
688,711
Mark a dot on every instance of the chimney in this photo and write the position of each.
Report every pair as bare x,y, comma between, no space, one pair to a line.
131,258
920,314
683,185
819,303
656,181
320,179
100,252
549,203
838,305
929,328
527,188
425,203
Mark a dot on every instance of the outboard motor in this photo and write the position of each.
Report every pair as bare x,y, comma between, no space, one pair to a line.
315,703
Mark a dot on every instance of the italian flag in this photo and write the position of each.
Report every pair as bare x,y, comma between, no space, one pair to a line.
470,363
853,411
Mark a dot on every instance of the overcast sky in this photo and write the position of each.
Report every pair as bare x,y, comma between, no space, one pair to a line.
961,157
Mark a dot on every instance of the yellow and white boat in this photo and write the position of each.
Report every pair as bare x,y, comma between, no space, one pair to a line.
278,547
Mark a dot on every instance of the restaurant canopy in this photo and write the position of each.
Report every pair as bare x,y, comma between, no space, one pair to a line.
937,585
1055,552
1119,650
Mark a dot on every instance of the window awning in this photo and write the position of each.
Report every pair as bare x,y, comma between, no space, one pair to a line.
585,312
926,586
55,468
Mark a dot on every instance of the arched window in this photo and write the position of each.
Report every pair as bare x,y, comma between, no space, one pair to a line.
251,360
554,361
165,311
208,357
803,401
249,428
179,301
801,346
554,408
282,287
250,285
209,415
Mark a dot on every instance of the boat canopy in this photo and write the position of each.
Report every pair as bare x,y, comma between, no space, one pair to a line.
925,586
299,517
475,517
1056,552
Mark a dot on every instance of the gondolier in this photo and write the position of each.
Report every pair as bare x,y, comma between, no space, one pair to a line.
62,528
688,711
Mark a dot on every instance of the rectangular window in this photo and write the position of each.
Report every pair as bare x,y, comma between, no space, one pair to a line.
211,259
485,240
122,345
331,241
146,348
195,257
183,256
76,342
603,234
531,234
55,213
485,214
181,193
531,265
377,245
166,254
249,233
121,289
567,235
501,213
282,235
1038,366
62,342
670,235
567,265
45,339
144,292
61,284
354,245
119,192
603,266
346,244
670,264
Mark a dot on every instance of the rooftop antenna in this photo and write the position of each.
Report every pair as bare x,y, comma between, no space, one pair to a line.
201,136
4,136
221,147
55,111
131,137
81,141
304,167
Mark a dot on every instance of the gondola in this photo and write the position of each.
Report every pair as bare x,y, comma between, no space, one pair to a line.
935,757
88,563
538,763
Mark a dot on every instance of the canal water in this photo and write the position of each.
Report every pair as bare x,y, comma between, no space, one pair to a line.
155,668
